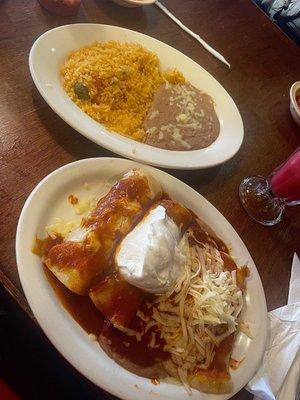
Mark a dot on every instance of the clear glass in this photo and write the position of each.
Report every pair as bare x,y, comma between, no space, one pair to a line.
265,199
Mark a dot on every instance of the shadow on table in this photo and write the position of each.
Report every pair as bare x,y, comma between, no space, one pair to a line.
32,366
68,138
196,178
2,3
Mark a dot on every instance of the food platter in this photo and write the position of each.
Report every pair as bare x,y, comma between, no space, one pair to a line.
47,201
55,45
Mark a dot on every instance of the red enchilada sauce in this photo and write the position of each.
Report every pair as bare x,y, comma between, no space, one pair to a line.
123,346
92,321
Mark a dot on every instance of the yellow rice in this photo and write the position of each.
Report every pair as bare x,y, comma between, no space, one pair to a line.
122,80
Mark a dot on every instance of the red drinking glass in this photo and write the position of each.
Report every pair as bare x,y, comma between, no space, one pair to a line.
265,199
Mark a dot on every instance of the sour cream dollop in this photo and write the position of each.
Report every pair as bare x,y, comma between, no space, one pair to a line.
151,256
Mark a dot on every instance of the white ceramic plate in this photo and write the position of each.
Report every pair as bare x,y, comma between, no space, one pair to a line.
49,53
49,200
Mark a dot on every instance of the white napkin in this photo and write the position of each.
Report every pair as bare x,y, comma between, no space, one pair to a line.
294,293
288,390
277,378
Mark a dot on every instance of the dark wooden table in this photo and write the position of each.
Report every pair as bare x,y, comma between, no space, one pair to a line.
35,141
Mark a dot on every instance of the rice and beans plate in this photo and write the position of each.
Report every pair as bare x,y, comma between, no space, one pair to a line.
121,86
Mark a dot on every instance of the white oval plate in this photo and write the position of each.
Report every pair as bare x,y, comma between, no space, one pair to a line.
49,200
49,53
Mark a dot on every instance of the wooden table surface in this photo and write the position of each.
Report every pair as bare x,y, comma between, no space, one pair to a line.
35,141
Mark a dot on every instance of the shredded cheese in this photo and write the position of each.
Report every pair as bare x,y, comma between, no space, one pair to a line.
198,313
129,332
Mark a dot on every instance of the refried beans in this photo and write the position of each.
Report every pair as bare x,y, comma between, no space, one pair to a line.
181,118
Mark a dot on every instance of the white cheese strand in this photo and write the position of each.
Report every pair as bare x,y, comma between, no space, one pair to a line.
198,312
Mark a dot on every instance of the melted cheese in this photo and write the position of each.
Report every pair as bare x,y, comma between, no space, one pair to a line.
60,227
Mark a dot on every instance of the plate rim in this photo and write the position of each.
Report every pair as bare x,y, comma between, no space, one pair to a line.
55,341
108,144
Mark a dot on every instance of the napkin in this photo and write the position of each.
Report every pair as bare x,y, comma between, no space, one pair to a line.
278,375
